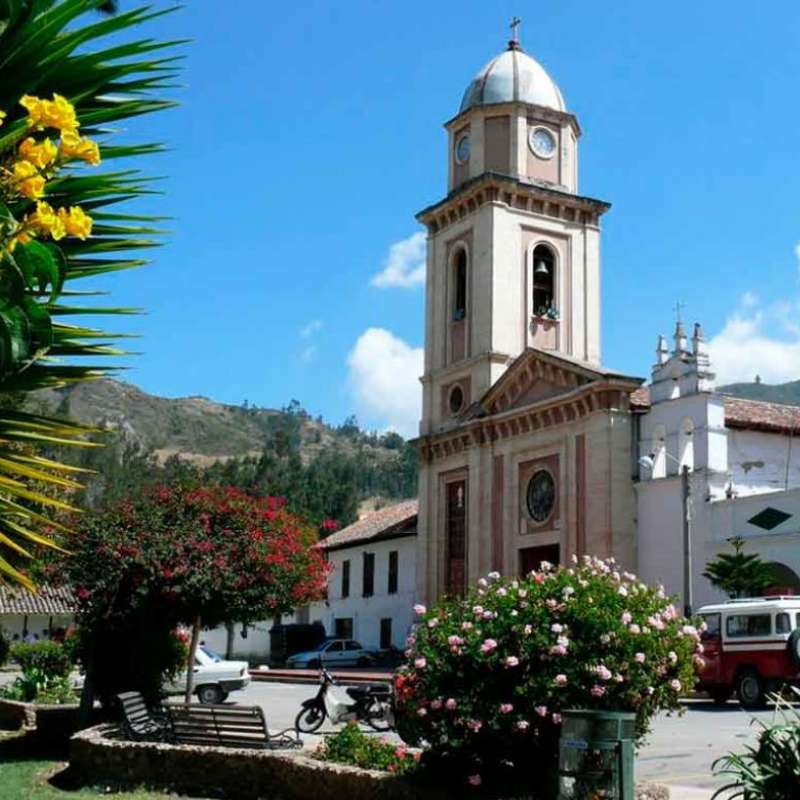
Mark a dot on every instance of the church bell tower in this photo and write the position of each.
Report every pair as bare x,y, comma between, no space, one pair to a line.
513,257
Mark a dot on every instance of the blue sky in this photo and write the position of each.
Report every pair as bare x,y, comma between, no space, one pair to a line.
309,135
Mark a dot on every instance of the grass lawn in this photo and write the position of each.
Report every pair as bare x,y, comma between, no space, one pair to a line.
24,775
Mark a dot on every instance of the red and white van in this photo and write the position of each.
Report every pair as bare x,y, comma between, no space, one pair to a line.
750,646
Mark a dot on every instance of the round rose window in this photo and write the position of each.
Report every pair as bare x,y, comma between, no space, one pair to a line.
541,495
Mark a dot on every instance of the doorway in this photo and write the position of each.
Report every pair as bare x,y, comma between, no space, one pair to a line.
531,557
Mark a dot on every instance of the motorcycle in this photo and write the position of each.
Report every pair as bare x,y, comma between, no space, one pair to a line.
371,704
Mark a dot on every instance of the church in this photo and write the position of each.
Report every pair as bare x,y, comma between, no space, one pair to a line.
530,447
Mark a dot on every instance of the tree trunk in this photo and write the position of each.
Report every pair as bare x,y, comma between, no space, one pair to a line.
229,640
190,660
87,700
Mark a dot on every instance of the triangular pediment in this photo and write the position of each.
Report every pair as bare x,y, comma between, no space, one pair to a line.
536,376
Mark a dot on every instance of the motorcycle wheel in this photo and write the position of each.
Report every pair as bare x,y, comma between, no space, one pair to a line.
309,719
377,715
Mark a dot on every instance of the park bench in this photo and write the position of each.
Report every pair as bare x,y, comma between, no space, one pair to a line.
226,726
143,724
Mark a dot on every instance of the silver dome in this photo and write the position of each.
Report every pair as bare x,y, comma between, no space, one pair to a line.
513,75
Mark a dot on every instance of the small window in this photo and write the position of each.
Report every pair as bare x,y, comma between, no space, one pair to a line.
456,400
386,633
544,268
712,626
343,627
335,647
346,578
742,625
393,565
783,623
460,285
368,584
351,645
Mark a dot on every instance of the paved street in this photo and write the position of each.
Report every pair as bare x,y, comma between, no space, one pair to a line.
679,751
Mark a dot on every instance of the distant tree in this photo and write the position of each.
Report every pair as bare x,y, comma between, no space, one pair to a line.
739,574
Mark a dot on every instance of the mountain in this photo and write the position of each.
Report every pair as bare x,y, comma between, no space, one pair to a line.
196,428
785,393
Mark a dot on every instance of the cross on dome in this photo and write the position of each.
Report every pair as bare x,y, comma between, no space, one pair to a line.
514,42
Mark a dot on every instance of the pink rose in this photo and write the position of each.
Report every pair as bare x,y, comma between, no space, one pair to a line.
474,780
422,712
541,710
488,646
640,658
474,725
454,641
436,704
626,618
420,609
561,680
450,704
603,673
432,623
556,719
597,691
465,626
522,725
506,708
420,663
675,685
512,661
558,650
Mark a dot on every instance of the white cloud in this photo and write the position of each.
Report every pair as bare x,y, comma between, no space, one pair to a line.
384,377
307,334
405,264
315,326
758,340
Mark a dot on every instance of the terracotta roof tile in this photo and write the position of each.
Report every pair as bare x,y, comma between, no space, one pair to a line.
756,415
399,519
48,600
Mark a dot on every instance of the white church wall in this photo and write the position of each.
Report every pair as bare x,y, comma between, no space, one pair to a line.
250,642
757,461
367,612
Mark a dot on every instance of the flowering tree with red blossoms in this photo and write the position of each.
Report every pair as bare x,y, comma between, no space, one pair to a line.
177,556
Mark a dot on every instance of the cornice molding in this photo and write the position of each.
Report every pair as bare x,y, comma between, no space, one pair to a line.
515,193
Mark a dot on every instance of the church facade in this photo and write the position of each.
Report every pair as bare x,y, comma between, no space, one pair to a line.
531,449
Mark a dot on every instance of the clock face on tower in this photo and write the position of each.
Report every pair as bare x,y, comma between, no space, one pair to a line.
542,142
541,495
462,149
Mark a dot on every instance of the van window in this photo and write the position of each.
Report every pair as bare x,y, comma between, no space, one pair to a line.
782,623
748,625
712,626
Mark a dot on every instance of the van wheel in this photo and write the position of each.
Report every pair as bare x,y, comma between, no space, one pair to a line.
720,696
794,647
750,689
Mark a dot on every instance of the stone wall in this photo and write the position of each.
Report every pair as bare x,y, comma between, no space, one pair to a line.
98,755
52,723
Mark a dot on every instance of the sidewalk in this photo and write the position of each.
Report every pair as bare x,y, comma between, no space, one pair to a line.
689,793
312,675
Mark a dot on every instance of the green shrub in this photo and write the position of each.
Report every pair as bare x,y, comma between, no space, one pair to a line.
489,675
51,658
771,769
352,746
34,686
5,646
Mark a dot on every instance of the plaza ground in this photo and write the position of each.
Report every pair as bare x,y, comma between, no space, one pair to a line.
679,751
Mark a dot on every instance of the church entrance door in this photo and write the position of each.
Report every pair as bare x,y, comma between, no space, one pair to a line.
531,557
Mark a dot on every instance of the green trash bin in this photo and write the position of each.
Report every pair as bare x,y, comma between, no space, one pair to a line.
596,755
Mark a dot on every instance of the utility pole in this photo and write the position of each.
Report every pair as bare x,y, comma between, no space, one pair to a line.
686,494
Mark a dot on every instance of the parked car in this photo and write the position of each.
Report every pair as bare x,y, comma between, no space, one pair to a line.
751,647
333,653
214,678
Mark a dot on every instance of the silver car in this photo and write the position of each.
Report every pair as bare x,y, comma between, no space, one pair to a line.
333,653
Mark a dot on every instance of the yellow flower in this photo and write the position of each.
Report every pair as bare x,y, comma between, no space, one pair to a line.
23,237
30,183
76,221
42,155
46,220
56,113
74,146
3,115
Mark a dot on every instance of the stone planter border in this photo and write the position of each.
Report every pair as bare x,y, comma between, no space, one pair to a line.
51,723
99,754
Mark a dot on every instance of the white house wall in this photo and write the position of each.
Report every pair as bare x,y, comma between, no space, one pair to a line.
367,612
757,461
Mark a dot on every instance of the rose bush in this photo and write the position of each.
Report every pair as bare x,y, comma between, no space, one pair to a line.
488,676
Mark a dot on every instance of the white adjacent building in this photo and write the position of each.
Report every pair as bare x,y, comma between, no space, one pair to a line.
372,582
